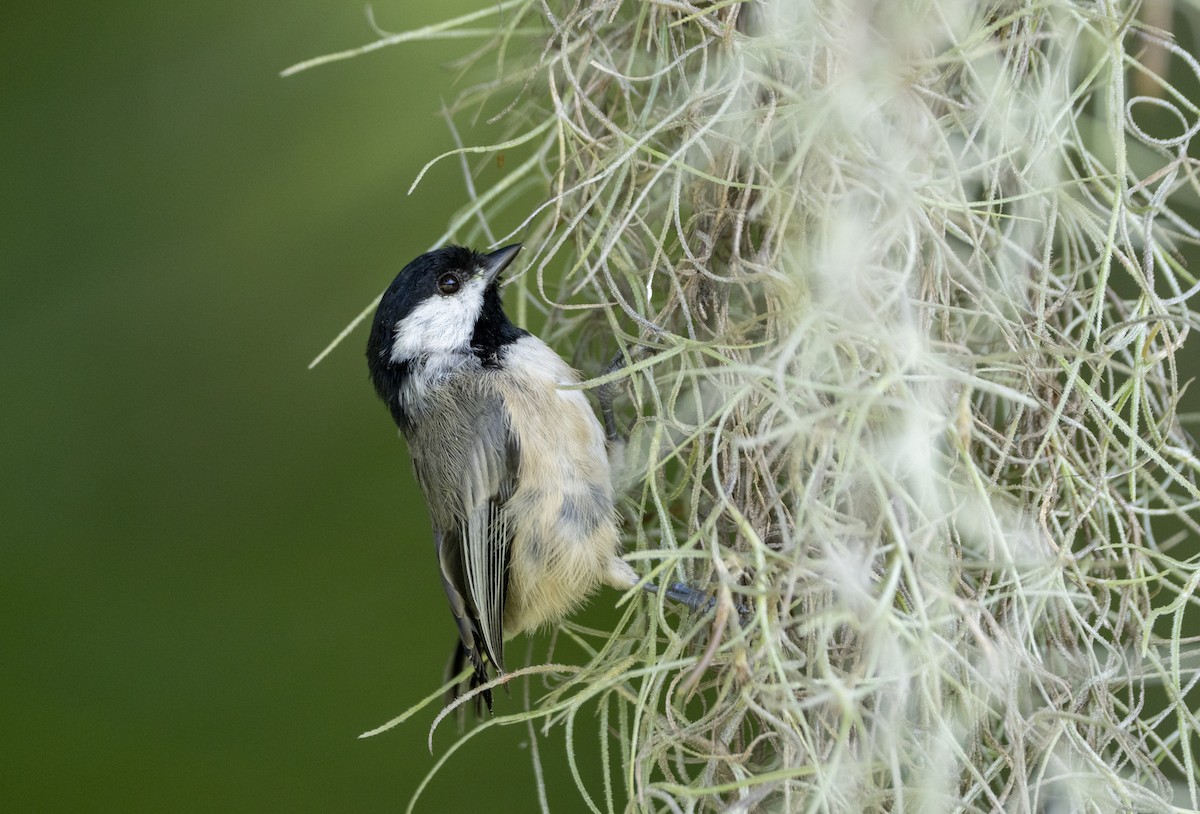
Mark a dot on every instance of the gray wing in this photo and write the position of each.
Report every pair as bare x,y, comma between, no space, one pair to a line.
467,462
482,543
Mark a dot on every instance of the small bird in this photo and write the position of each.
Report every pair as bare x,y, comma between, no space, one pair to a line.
510,457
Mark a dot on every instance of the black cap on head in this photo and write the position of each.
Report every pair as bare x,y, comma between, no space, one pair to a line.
416,283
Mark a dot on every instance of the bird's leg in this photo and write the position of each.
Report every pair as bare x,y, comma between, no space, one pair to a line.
693,598
622,576
696,600
606,394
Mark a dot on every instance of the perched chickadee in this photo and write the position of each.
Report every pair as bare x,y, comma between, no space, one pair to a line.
513,466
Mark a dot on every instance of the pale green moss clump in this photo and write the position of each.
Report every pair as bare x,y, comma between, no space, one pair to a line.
901,289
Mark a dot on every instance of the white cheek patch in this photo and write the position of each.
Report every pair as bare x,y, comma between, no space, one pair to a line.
440,324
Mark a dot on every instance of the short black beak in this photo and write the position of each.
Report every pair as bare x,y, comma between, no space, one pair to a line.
498,261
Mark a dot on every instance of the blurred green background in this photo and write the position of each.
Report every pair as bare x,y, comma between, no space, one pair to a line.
217,569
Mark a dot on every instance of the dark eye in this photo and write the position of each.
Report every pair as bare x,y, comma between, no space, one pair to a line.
449,283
